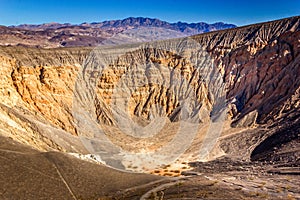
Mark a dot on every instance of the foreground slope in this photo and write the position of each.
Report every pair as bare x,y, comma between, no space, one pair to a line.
30,174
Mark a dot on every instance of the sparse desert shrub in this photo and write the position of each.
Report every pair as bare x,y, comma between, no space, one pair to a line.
259,194
179,184
288,187
202,194
165,166
290,197
213,183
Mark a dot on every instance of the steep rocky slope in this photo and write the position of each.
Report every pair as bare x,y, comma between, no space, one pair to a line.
258,64
237,89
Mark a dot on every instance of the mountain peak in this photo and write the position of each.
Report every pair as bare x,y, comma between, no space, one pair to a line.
55,34
129,21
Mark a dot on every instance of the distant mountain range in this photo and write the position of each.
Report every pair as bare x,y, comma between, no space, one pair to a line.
133,22
131,29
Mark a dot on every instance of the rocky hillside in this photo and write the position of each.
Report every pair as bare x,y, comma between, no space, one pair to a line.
250,73
92,34
230,98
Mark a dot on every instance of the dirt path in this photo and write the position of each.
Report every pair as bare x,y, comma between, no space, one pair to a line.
159,188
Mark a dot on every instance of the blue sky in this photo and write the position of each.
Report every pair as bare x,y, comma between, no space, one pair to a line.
240,12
